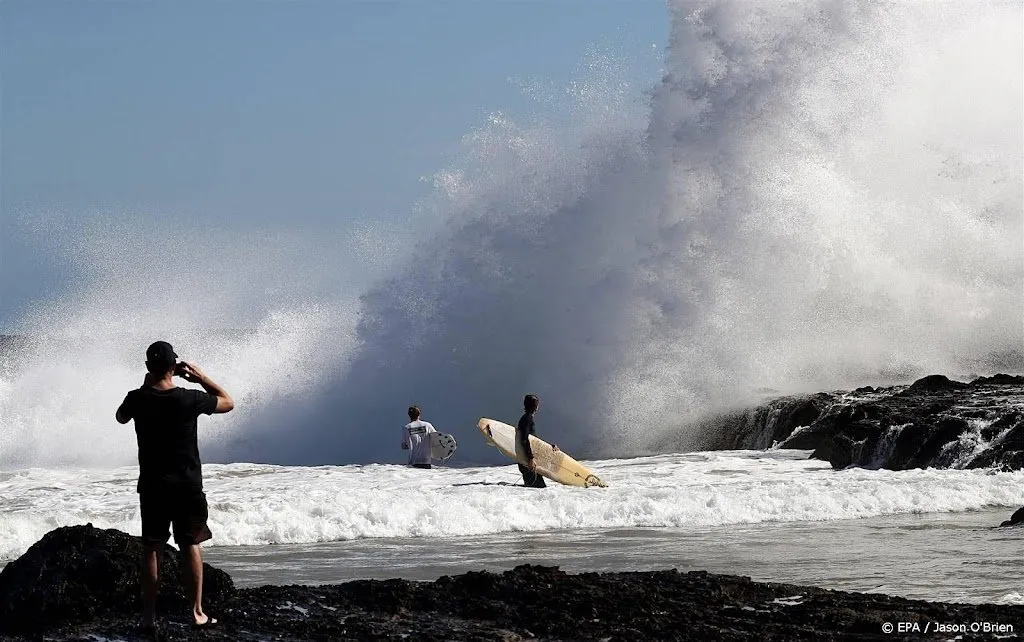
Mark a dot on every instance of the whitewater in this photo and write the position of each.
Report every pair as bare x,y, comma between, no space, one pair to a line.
256,505
776,515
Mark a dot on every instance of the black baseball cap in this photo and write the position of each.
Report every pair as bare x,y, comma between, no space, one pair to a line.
160,356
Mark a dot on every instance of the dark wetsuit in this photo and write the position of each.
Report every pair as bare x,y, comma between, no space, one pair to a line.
523,432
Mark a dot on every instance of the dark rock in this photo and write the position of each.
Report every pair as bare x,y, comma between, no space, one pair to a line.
839,450
979,413
810,438
528,602
803,412
1007,453
1000,380
1015,519
848,434
935,383
77,573
1009,420
935,422
755,428
919,444
936,407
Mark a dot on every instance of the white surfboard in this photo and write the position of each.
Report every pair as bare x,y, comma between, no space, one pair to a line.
442,446
553,464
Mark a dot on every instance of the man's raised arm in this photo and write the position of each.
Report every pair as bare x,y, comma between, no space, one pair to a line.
193,374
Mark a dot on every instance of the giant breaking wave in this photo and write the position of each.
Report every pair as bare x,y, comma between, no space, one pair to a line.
822,194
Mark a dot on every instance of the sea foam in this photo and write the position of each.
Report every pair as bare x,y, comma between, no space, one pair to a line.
260,504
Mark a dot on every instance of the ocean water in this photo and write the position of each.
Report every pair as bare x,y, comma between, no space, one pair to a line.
953,557
775,514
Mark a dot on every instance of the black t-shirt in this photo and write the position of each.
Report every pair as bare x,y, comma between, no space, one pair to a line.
165,426
523,432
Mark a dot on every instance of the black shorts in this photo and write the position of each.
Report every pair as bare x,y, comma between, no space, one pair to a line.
184,509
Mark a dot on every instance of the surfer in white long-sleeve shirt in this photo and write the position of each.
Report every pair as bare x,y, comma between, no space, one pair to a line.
416,439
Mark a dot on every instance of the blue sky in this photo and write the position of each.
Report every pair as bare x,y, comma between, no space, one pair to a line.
266,113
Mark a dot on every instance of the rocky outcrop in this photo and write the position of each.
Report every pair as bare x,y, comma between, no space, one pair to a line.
80,573
84,593
934,383
1001,380
765,425
1016,519
934,422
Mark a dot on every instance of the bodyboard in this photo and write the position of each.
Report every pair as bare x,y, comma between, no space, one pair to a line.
442,446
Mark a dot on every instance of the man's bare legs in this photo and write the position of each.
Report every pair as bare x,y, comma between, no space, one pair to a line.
191,570
150,570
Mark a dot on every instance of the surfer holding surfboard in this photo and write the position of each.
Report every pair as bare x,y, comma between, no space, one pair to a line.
416,439
535,456
424,443
526,428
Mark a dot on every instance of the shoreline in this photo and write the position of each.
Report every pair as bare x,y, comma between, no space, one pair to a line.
80,583
549,604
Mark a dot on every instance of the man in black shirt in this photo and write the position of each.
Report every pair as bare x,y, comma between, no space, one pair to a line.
170,473
524,429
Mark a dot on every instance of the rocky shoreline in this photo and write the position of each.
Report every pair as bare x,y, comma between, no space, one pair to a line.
935,422
81,583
